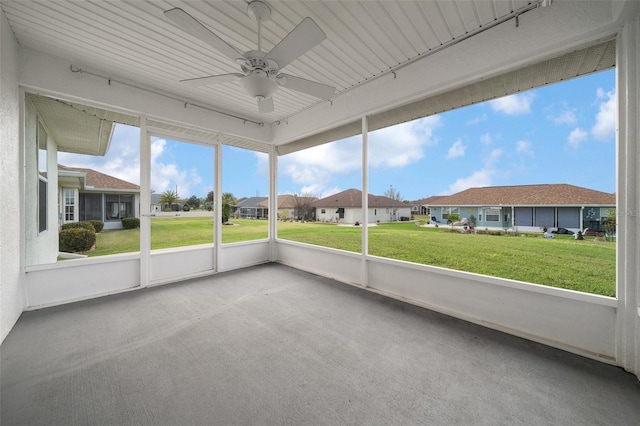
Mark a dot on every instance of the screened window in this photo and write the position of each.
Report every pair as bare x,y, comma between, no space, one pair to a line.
118,206
90,207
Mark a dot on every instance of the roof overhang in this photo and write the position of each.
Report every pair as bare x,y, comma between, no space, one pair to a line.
72,179
77,128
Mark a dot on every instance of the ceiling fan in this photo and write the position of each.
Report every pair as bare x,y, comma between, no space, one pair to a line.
261,76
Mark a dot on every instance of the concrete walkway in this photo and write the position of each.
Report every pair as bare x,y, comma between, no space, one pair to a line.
273,345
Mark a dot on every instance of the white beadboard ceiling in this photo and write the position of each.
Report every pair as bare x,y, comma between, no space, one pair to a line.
132,40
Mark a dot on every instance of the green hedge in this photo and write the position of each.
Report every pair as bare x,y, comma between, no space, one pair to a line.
97,224
77,225
75,239
130,222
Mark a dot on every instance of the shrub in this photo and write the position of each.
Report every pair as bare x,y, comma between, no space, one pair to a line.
75,239
97,224
186,208
130,222
77,225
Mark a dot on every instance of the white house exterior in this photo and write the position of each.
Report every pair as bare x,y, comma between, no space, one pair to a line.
346,207
86,194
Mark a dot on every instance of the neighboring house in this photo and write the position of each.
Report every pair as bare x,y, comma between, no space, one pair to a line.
528,207
251,208
295,207
156,206
346,207
422,206
85,194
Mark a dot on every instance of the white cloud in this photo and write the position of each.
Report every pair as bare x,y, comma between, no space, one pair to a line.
605,126
478,119
576,137
122,160
402,144
524,148
456,150
568,116
486,139
398,146
517,104
479,178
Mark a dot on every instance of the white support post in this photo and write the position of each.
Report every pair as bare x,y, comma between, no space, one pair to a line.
273,203
145,204
217,206
365,200
628,193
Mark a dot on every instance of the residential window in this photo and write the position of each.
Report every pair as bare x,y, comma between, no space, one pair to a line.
323,211
43,182
340,212
446,211
492,215
69,205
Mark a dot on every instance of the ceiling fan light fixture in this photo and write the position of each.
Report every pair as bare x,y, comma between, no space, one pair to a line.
258,83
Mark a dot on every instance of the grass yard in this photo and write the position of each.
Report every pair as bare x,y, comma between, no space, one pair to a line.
563,262
169,232
586,266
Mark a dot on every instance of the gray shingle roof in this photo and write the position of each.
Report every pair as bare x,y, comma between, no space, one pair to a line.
527,195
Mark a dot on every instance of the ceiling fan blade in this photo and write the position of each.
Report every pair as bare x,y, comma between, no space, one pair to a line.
212,79
265,105
302,38
309,87
191,25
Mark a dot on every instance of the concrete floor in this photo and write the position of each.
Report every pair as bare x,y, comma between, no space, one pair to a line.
273,345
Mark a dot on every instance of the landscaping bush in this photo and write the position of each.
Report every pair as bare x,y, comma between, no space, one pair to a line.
489,232
97,224
77,225
130,222
75,239
186,208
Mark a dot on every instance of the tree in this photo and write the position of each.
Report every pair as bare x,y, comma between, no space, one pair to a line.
453,218
210,197
169,197
228,200
193,202
394,194
304,206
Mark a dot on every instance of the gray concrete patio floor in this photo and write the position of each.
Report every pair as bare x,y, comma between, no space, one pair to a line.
274,345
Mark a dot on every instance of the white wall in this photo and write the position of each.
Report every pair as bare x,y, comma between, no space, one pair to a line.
40,247
11,246
573,321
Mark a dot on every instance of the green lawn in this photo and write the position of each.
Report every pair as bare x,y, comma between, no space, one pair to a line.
587,265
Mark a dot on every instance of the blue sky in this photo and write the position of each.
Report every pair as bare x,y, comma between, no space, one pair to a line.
562,133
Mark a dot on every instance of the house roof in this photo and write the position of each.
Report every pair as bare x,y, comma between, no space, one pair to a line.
353,198
96,180
289,201
527,195
253,202
427,201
